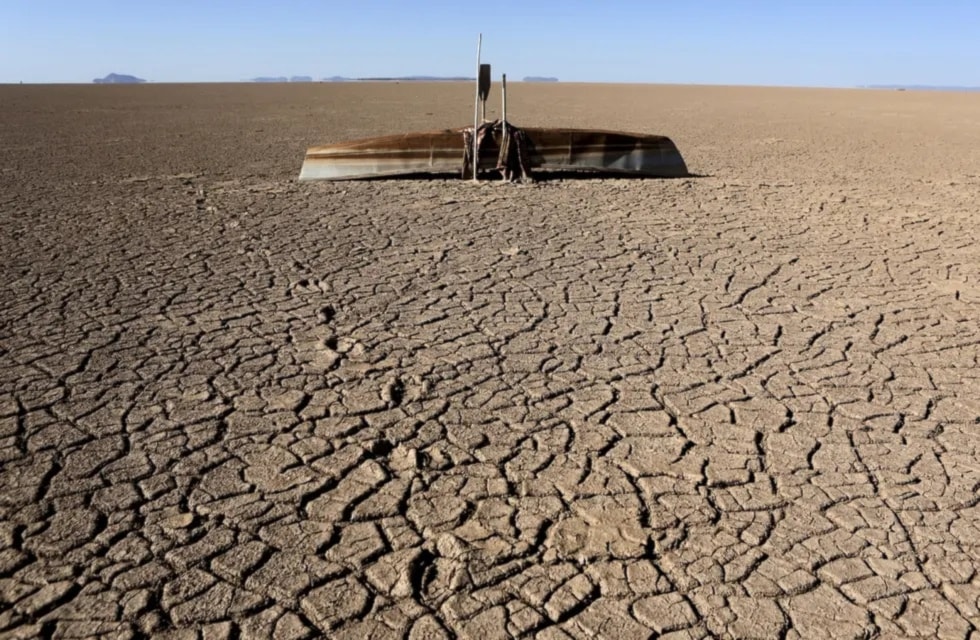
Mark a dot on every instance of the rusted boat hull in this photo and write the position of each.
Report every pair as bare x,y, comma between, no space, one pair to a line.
404,154
438,152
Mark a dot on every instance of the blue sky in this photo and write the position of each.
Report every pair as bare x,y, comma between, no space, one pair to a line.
769,42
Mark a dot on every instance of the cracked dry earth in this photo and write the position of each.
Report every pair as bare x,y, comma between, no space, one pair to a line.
741,405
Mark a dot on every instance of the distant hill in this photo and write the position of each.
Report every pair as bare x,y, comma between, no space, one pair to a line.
400,79
390,79
921,87
118,78
416,79
282,79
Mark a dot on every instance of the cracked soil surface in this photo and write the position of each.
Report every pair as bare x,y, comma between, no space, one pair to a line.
743,404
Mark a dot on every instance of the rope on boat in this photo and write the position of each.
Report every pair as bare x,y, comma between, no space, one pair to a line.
513,160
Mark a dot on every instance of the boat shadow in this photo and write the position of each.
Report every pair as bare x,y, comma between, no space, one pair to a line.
561,175
542,176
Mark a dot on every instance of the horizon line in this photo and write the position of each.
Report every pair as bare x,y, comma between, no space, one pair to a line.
422,79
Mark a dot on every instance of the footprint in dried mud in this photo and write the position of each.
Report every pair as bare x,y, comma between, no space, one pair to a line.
422,572
394,393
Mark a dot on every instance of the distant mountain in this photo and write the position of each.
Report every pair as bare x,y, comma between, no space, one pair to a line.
921,87
400,79
390,79
118,78
282,79
416,79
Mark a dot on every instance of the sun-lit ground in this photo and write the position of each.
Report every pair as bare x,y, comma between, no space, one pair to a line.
743,404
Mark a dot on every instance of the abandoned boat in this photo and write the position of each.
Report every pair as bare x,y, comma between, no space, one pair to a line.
510,150
498,146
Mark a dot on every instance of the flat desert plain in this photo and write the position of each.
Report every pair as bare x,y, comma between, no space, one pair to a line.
742,404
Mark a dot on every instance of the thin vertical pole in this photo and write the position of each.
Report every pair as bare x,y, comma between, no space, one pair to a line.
476,109
503,125
503,92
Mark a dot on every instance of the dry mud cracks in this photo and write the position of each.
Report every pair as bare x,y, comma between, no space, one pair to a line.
738,405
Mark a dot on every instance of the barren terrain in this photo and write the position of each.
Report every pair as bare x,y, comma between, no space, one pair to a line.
743,404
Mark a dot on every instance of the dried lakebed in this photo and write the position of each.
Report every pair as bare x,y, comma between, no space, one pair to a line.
738,405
